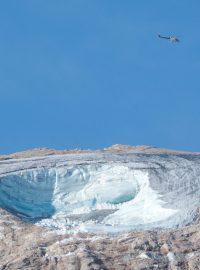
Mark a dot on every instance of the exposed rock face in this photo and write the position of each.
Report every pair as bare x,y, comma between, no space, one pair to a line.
25,246
117,148
174,176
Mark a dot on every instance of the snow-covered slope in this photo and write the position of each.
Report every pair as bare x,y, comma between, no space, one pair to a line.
102,191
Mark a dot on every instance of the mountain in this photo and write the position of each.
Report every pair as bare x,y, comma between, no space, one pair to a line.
117,208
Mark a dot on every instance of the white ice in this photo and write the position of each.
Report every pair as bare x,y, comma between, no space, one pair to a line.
102,193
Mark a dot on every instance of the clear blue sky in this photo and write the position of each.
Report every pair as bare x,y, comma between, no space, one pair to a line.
89,74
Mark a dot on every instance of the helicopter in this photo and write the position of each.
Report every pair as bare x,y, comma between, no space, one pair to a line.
172,39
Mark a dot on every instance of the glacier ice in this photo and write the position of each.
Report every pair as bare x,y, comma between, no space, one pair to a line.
102,193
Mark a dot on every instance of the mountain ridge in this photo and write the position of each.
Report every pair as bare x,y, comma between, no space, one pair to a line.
40,152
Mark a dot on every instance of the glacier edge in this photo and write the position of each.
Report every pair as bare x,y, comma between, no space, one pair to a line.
102,192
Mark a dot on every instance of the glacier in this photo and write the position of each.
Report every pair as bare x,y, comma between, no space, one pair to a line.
102,192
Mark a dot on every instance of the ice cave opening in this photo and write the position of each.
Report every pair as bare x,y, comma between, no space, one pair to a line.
84,196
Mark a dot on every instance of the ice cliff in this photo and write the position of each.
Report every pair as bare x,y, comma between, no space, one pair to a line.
102,191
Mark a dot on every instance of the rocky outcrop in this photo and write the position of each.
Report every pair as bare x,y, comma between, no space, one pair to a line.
117,148
25,246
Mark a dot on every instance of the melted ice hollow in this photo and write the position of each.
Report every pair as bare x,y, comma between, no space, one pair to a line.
91,197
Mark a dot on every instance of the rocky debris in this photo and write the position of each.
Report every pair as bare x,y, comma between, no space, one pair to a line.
164,250
117,148
41,152
26,246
